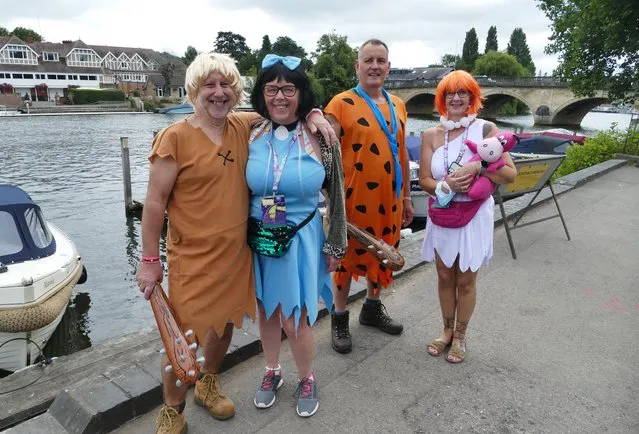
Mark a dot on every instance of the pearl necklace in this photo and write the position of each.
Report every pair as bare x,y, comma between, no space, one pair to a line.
452,125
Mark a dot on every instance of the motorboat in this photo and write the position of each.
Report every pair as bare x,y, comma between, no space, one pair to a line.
555,141
183,107
39,266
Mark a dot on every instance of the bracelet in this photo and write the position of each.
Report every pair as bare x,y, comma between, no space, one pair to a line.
408,198
150,259
315,110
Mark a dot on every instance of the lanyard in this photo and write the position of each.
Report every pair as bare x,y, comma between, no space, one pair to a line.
392,137
462,149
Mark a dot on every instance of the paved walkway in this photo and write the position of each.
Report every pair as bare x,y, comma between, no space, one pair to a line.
552,347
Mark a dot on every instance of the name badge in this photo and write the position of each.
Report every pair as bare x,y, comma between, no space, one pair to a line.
274,211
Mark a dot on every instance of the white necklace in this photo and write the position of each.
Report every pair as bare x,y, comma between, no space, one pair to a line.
452,125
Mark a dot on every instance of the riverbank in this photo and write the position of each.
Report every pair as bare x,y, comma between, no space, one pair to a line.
106,385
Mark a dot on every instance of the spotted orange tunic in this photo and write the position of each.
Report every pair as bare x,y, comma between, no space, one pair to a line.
369,181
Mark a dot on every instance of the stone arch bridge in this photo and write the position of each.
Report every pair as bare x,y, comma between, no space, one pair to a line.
549,99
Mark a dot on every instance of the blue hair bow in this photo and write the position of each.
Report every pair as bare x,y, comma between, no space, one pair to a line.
291,62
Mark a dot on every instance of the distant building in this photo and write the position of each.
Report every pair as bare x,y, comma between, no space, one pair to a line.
45,70
432,74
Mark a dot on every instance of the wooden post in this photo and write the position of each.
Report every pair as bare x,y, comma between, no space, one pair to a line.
126,175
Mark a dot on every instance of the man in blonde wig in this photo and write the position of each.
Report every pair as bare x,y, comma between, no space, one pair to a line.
197,178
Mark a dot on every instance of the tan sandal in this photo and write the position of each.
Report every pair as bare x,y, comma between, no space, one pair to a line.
437,347
457,350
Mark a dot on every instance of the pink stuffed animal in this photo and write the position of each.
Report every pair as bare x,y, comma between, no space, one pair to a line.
489,150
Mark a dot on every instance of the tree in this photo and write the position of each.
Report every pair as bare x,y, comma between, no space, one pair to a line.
518,47
3,31
265,49
248,63
450,59
167,70
597,44
498,64
285,46
334,65
470,51
189,55
26,35
232,44
491,40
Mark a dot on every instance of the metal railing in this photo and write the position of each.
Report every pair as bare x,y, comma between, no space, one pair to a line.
398,83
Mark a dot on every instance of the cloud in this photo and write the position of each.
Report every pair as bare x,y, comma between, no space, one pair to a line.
418,32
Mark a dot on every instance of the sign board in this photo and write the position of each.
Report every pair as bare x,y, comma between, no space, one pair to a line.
533,172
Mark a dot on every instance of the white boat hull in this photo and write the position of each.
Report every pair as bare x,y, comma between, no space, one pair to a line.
22,352
33,298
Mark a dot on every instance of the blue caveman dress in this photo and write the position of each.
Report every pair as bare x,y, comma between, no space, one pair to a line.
297,279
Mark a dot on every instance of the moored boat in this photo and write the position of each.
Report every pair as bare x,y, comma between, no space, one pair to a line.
39,266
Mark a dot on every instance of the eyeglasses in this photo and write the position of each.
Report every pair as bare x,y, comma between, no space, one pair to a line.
462,93
288,90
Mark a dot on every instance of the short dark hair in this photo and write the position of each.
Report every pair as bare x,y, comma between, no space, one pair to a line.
373,41
278,71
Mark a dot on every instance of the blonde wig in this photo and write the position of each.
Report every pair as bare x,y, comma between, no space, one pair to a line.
205,64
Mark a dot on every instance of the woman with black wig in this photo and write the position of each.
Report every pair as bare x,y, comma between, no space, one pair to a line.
286,170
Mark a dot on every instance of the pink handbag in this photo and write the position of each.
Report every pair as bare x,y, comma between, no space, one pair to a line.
457,215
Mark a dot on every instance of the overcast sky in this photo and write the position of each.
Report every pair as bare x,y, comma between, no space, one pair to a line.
418,32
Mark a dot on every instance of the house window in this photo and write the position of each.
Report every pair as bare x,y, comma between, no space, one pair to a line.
51,76
159,92
61,77
29,76
2,75
18,54
50,56
153,66
17,75
92,78
84,77
84,57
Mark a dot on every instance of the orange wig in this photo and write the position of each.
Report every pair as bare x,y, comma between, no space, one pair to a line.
454,81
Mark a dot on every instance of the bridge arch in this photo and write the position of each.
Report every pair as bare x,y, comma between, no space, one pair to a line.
420,102
573,112
495,98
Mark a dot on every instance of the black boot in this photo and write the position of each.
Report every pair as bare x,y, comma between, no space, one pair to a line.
374,314
340,336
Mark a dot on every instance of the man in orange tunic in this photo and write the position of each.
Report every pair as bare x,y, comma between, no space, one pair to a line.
376,179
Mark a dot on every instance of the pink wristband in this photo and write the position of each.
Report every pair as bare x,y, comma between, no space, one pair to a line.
150,259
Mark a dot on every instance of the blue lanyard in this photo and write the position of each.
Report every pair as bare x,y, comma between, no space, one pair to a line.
392,137
277,169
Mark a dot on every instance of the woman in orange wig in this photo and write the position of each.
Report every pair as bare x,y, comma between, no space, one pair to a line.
458,246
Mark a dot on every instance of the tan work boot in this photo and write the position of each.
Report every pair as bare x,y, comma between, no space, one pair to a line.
208,393
169,421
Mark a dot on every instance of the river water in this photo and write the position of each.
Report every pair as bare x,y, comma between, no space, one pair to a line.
71,166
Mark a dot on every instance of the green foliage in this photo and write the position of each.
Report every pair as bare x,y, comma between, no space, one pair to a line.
248,62
91,96
514,107
491,40
470,51
317,87
26,35
499,64
150,105
602,147
232,44
189,55
334,65
3,31
264,50
285,46
450,59
518,47
597,43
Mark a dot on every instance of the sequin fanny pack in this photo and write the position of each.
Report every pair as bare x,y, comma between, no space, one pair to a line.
273,242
